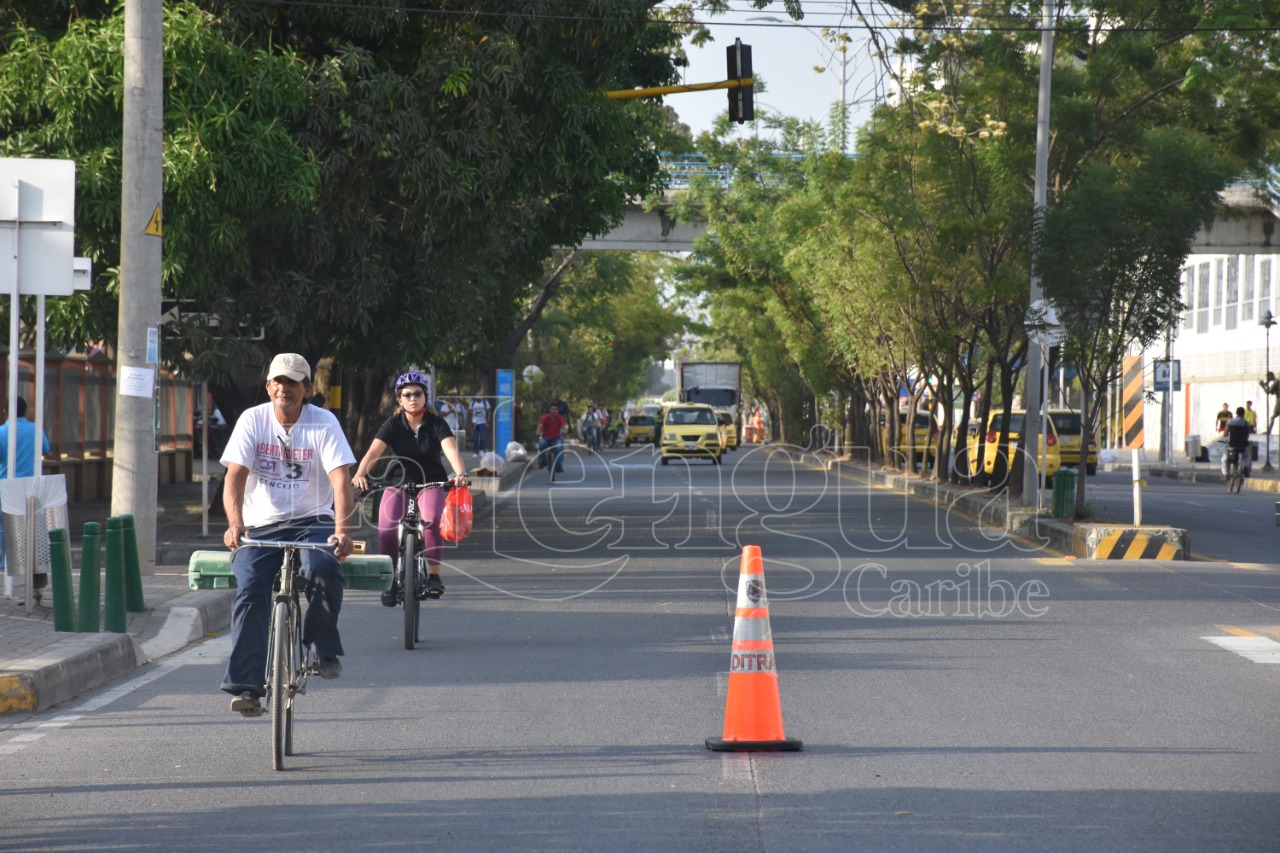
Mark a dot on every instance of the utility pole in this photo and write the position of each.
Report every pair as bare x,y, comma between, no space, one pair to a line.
1031,474
134,474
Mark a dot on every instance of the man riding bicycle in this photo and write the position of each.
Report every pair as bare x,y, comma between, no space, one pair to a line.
286,481
551,427
1238,431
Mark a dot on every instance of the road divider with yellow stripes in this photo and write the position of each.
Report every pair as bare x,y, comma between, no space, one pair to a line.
1127,542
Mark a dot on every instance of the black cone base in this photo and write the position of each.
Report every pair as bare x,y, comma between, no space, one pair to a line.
787,744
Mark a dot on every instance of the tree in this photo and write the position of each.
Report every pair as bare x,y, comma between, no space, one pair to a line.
437,161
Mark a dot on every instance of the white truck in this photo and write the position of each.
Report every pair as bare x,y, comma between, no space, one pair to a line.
719,385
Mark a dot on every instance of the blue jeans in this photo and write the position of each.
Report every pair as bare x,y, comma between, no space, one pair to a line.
479,431
255,570
557,451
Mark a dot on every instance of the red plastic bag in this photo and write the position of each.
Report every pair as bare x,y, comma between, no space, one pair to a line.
455,521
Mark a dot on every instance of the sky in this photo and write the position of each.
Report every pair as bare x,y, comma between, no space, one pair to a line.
783,53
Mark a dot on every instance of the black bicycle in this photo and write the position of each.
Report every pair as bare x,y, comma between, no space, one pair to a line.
1235,471
288,661
412,569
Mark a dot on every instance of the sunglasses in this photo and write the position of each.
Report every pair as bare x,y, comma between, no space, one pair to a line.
412,395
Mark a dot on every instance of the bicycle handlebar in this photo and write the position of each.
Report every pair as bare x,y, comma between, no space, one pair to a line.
306,546
413,487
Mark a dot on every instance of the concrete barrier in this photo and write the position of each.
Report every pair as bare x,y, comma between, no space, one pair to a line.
1127,542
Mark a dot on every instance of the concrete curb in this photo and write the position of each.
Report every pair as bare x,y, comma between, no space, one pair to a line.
190,618
80,662
991,509
1257,484
67,668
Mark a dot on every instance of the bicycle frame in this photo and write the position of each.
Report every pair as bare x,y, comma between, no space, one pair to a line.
412,570
1235,469
288,661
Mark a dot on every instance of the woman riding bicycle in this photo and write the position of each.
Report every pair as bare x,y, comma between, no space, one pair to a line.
417,436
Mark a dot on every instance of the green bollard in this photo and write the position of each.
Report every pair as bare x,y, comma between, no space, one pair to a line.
90,578
64,602
132,570
113,618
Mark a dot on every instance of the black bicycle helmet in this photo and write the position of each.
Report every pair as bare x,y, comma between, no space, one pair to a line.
411,378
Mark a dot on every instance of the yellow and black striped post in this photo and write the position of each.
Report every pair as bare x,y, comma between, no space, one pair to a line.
1134,397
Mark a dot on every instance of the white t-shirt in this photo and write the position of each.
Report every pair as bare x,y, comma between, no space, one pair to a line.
288,470
479,412
449,411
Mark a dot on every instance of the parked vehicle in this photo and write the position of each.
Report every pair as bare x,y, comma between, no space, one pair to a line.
926,438
1048,456
1069,426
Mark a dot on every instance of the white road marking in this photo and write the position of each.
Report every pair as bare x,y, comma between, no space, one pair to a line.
1256,649
214,651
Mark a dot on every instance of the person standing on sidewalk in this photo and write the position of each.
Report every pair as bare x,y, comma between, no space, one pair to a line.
26,431
287,480
25,465
479,424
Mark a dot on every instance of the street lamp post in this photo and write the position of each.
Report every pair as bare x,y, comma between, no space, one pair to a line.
1267,320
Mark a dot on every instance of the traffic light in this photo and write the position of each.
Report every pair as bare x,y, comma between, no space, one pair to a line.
741,103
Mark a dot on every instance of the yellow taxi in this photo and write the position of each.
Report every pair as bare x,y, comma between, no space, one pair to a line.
690,430
641,429
1070,428
926,437
1049,455
728,431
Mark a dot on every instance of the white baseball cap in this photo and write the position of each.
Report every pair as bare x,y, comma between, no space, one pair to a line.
292,365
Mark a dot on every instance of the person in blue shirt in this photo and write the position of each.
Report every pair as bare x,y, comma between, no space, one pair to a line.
25,465
26,443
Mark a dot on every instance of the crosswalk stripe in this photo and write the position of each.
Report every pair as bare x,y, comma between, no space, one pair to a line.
1255,648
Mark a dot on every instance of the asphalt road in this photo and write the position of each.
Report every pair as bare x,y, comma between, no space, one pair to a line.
955,690
1238,528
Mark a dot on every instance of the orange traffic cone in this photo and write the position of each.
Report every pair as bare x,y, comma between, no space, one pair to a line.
753,709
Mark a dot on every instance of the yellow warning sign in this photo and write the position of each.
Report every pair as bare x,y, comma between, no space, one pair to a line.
156,226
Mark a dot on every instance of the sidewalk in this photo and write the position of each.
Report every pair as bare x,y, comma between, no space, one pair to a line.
41,667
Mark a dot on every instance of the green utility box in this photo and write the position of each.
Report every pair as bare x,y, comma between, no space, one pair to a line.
1064,493
212,570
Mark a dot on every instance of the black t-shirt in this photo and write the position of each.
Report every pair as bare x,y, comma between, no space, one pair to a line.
421,452
1238,433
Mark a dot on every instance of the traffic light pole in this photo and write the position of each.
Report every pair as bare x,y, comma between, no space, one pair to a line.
135,471
654,91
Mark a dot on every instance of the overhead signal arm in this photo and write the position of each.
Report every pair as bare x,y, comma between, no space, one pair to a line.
741,102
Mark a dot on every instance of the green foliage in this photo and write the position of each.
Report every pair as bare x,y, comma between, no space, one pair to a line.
612,321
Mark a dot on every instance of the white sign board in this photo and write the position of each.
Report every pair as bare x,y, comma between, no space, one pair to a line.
37,227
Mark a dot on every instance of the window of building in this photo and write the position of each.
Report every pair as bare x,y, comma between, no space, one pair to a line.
1231,304
1188,298
1264,286
1219,285
1202,301
1246,299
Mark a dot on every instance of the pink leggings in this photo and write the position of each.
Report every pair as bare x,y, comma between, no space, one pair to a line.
430,507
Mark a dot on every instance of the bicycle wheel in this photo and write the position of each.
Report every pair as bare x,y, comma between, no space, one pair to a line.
280,655
409,585
298,665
